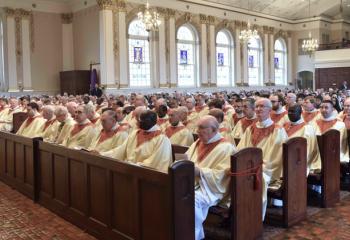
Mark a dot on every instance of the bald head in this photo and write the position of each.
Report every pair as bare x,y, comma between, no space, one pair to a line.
183,111
137,112
208,127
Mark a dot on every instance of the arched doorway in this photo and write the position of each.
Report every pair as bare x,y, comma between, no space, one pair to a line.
305,80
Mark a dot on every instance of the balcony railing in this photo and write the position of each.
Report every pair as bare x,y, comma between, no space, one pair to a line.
336,45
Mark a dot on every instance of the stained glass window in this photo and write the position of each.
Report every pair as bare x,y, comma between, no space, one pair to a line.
280,62
224,56
255,70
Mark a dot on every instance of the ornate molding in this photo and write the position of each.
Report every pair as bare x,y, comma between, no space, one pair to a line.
67,18
106,4
121,6
203,19
171,12
211,20
115,40
188,17
238,24
162,12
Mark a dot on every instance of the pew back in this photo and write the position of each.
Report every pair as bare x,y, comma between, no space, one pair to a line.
178,150
246,197
329,146
17,162
18,119
294,181
115,200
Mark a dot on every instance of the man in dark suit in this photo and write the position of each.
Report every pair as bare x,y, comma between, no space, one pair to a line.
96,91
344,86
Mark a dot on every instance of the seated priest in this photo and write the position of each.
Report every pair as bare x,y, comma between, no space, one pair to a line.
49,128
211,154
310,113
201,108
112,134
328,121
279,115
163,117
224,130
81,135
6,119
345,117
238,114
31,127
297,127
268,136
3,106
176,131
66,122
146,146
192,115
248,119
94,117
133,121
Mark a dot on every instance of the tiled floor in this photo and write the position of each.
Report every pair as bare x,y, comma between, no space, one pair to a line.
20,218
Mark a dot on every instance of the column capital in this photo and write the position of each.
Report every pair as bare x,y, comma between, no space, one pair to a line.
67,18
211,20
106,4
203,19
121,6
171,12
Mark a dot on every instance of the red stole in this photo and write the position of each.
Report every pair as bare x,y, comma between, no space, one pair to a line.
143,136
199,108
106,135
291,129
161,121
258,134
247,122
235,118
203,150
325,125
276,117
346,121
308,116
30,120
77,128
170,131
48,123
94,121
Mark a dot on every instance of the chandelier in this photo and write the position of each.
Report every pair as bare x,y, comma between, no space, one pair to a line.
309,45
247,34
150,20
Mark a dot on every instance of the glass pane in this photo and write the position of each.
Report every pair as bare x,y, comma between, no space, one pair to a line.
137,28
254,67
185,33
224,66
185,67
279,46
254,43
222,38
139,64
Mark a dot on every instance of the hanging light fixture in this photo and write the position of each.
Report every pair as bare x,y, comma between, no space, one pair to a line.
310,45
246,34
150,20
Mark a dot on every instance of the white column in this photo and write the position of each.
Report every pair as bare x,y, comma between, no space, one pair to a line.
212,45
266,75
123,51
162,55
154,59
238,64
272,59
289,62
204,56
67,42
107,48
172,52
27,73
245,64
11,55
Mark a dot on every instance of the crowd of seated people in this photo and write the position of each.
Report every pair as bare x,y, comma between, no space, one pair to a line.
140,129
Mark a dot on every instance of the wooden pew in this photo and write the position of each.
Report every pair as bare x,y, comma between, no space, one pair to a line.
17,162
329,177
111,199
178,149
293,191
18,119
243,224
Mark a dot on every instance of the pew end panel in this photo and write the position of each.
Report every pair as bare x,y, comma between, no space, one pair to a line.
329,178
18,163
112,199
246,196
18,119
293,190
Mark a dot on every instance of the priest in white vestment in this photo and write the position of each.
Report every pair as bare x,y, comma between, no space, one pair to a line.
248,119
49,128
278,115
211,155
268,136
146,146
31,127
66,123
310,113
6,119
112,134
176,131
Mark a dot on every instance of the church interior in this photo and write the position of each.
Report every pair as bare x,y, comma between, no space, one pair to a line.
174,119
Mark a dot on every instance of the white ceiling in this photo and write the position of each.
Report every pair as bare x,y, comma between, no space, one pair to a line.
287,9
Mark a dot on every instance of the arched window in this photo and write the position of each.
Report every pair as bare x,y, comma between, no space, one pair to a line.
187,70
139,55
280,61
224,62
255,62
